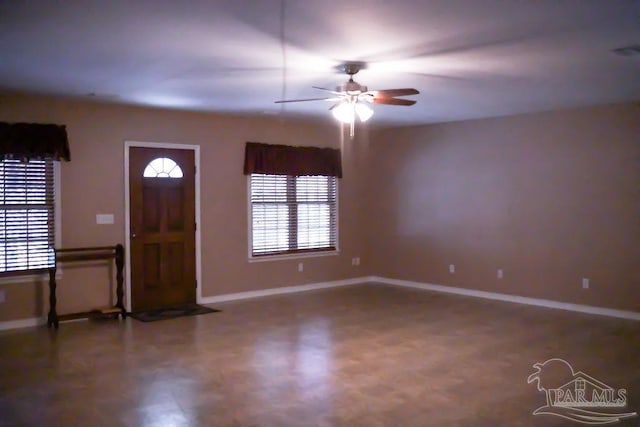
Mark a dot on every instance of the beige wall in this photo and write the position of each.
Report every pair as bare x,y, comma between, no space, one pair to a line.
93,182
550,198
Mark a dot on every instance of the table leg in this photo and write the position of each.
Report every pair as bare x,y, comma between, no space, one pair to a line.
120,280
52,318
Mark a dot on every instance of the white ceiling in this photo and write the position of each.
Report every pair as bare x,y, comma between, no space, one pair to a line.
469,59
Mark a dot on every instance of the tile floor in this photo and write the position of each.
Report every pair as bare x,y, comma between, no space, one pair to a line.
365,355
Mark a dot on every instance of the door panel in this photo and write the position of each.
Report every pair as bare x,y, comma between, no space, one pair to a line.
151,213
162,230
175,212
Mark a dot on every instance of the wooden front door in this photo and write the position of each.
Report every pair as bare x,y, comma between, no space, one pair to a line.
162,218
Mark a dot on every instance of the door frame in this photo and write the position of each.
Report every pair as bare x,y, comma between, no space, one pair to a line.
127,213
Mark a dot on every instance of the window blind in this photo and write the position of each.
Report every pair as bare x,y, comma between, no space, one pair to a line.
27,232
293,214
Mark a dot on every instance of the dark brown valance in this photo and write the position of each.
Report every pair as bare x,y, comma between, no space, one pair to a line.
294,161
27,141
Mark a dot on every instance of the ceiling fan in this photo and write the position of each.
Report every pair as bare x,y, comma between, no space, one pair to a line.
351,98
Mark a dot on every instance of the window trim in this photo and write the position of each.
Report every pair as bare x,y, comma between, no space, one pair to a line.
25,277
294,255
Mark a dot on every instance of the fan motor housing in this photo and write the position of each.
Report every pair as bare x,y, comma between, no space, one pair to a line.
351,86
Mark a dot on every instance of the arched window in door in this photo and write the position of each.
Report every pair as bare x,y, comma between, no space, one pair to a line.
162,167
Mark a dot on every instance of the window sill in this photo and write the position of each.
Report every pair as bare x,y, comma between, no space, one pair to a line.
267,258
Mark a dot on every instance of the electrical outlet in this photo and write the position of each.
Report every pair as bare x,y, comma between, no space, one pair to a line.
300,267
585,283
452,268
357,260
500,273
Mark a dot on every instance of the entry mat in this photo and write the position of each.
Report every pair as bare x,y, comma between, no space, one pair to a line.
172,312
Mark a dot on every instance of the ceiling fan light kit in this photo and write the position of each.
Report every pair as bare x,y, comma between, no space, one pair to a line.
363,111
346,111
343,112
352,98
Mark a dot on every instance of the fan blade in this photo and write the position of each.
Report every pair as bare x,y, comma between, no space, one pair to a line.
305,100
394,92
393,101
436,76
327,90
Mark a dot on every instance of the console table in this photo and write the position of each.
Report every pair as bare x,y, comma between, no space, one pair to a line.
87,254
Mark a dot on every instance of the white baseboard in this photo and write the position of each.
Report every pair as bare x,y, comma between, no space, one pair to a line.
22,323
602,311
282,290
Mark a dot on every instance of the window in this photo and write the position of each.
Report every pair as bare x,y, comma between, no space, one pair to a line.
162,167
27,216
292,214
